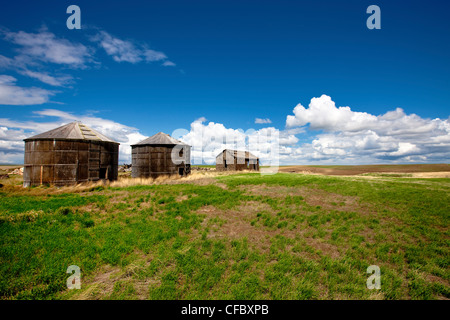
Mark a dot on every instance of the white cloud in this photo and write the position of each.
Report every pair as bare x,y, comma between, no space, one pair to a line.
152,55
128,51
262,121
201,119
46,47
168,64
335,136
10,94
208,140
287,139
38,52
20,66
5,62
7,80
42,56
406,149
357,137
322,114
46,78
119,49
11,157
11,146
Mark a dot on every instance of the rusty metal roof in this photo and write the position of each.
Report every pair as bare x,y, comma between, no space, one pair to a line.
72,131
160,138
238,154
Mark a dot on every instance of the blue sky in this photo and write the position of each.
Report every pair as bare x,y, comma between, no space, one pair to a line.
140,67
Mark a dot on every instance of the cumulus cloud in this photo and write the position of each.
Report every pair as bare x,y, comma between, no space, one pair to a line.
262,121
327,134
11,145
347,136
287,139
208,140
11,94
127,50
322,114
12,133
10,140
201,119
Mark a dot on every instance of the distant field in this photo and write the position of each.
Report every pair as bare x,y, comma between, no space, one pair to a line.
335,169
5,168
367,169
204,166
228,236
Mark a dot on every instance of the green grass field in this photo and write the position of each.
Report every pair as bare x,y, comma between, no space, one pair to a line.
243,236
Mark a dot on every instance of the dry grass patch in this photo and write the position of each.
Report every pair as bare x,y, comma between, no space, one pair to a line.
236,224
109,282
325,248
313,197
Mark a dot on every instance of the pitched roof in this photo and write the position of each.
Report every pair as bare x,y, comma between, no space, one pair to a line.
238,154
72,131
160,138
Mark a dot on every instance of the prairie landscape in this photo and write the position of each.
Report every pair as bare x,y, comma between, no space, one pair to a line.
307,232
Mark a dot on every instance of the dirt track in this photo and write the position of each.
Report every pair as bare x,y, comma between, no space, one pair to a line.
425,170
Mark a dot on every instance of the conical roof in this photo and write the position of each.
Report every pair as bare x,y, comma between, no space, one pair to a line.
72,131
160,138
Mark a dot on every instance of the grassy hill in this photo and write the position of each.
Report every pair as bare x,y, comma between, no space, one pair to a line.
238,236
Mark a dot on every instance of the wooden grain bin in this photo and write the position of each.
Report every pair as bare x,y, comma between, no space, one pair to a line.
68,155
160,155
233,160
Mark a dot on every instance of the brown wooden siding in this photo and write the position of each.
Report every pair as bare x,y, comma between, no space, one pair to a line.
152,161
65,162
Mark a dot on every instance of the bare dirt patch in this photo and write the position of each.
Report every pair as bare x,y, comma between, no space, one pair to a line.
325,248
101,285
313,197
431,175
236,224
181,198
433,278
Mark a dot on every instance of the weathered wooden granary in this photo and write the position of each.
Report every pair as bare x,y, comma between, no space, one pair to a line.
160,155
68,155
233,160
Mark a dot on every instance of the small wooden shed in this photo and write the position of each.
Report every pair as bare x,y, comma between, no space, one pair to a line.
234,160
159,155
68,155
